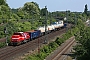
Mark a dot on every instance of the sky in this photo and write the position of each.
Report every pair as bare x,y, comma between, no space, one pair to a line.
54,5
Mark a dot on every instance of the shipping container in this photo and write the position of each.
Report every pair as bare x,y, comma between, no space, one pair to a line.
34,34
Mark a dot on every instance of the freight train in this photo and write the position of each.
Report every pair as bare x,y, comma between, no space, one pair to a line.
22,37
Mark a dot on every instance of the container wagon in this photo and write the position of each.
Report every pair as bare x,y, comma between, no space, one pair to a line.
34,34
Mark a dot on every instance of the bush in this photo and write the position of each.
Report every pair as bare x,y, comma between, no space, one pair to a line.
41,56
2,44
59,41
45,49
53,45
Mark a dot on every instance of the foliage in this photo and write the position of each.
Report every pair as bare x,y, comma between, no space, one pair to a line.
82,50
2,44
86,9
3,2
37,5
31,8
59,41
43,11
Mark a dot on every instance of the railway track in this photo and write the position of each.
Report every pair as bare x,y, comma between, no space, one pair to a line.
12,52
62,51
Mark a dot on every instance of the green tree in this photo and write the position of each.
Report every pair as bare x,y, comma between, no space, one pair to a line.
31,8
83,49
43,12
37,5
3,2
86,9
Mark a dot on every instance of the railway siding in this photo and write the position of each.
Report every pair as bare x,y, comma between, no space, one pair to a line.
59,53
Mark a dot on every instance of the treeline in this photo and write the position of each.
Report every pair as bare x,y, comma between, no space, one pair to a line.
30,16
25,18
